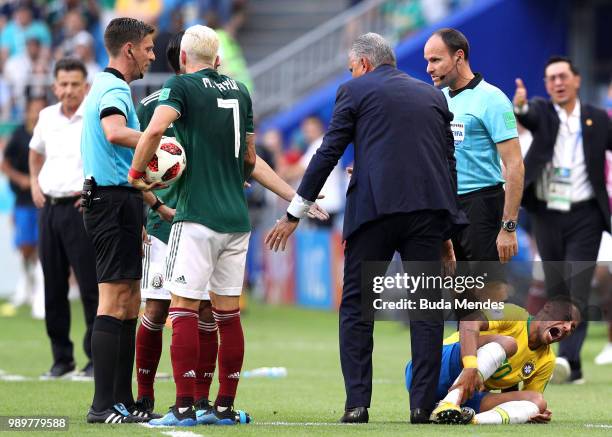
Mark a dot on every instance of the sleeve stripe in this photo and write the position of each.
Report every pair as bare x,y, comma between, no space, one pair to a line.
111,111
170,106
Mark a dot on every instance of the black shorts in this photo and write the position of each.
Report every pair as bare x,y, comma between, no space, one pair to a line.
478,241
114,224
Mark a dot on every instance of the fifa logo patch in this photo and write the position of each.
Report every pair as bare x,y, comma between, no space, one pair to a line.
528,368
458,132
157,281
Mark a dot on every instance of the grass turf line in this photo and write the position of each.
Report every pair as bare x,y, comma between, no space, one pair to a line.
309,401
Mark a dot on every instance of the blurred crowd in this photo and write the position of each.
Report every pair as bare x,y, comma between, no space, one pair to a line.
34,34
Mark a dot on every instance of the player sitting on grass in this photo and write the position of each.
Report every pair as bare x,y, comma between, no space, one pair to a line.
497,351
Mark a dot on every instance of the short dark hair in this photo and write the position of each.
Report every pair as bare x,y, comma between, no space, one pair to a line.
70,64
454,41
567,300
173,51
122,30
35,97
556,58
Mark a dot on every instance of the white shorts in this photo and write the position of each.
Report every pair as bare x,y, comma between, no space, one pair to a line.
200,259
153,270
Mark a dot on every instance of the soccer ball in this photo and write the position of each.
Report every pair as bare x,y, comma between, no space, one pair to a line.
168,163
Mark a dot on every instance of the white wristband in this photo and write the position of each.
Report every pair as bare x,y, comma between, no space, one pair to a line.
299,207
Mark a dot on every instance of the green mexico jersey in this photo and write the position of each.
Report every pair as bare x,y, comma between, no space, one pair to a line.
155,225
215,115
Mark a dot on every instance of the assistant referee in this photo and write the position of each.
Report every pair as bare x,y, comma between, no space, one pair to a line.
113,216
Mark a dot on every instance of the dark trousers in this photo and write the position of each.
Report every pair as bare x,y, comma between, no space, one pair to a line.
417,237
64,244
572,236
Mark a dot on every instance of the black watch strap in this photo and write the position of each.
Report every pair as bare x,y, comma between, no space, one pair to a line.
157,204
292,218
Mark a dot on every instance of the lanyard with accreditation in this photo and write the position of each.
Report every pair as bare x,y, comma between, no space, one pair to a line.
560,178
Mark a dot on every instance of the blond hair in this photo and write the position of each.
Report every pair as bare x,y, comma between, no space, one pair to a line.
200,44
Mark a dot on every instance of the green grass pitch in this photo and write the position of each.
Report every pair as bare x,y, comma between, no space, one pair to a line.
309,401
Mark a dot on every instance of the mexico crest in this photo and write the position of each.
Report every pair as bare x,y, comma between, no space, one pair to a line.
157,281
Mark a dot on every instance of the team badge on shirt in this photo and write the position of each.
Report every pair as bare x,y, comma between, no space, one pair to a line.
528,368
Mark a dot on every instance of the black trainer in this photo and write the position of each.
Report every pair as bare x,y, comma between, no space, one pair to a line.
116,414
143,408
203,409
59,370
175,418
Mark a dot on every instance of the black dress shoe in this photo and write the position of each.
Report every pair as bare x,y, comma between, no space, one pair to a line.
355,415
418,415
59,370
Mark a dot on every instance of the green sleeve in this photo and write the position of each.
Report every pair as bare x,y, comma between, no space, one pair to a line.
173,94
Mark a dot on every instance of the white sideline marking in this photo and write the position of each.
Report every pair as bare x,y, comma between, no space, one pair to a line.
172,433
8,377
181,434
298,424
597,425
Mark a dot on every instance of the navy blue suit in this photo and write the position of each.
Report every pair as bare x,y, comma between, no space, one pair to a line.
401,197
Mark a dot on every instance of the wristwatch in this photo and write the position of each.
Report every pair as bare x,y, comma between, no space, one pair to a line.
157,204
509,225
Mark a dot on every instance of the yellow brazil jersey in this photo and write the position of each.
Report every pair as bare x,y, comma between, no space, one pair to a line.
532,367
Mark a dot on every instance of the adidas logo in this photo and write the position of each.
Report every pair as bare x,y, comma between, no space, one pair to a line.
181,280
235,375
190,374
144,371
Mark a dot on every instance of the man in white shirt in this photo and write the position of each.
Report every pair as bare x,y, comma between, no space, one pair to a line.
335,185
565,192
56,173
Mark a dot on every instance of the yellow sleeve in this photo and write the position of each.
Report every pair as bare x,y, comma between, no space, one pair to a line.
539,380
501,326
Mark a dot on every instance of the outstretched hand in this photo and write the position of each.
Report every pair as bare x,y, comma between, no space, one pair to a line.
280,233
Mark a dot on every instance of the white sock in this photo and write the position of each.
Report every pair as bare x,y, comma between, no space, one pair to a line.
490,357
512,412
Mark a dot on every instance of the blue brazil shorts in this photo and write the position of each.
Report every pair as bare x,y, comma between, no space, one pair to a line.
449,371
26,225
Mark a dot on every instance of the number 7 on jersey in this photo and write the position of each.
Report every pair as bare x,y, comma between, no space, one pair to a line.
233,105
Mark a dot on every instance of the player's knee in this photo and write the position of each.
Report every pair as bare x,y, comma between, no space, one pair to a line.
206,314
156,311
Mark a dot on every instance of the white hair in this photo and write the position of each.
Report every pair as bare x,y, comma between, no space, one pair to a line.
375,48
200,44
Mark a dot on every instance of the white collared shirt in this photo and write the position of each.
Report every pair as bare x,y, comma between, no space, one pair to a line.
58,138
334,186
569,153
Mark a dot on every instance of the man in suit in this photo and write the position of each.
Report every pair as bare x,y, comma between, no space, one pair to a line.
565,190
401,197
